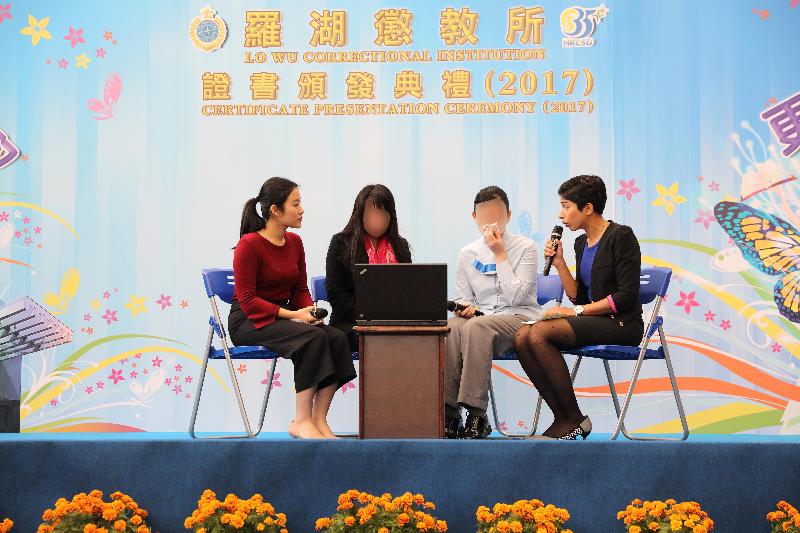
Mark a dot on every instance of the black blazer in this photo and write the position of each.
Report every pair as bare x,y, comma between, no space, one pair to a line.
616,271
340,278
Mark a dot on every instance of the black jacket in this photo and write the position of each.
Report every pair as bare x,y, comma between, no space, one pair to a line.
616,271
340,278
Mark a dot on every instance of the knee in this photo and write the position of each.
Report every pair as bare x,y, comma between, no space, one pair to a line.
521,338
473,326
318,334
335,334
535,336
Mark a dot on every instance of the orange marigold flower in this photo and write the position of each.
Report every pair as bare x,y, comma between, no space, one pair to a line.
349,521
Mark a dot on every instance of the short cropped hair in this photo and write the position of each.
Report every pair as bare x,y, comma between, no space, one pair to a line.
490,193
585,189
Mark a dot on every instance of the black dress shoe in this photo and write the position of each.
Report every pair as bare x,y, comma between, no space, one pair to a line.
583,430
477,427
453,427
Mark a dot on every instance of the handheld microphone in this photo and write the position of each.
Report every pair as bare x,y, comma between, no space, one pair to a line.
319,313
555,238
453,306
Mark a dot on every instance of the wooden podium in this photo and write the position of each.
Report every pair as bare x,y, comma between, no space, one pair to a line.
401,382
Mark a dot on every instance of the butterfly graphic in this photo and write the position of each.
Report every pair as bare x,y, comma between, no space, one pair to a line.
111,92
771,245
143,394
59,303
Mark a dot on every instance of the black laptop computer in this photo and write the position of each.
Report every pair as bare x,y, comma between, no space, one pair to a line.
401,294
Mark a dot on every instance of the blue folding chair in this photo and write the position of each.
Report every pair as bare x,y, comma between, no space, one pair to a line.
219,284
548,289
318,290
654,283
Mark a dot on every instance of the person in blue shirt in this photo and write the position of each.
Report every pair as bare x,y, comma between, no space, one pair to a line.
606,296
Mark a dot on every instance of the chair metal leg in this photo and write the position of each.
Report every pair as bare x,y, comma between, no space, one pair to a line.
614,395
620,427
200,380
536,413
266,396
249,433
493,403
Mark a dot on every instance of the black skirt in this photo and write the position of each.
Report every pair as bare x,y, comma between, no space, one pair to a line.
320,354
593,330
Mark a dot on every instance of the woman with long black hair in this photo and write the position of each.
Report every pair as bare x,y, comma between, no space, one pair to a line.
272,305
370,236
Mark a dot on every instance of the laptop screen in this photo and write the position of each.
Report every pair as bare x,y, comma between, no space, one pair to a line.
401,293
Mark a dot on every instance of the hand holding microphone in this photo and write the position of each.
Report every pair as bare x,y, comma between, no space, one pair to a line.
464,311
553,251
311,315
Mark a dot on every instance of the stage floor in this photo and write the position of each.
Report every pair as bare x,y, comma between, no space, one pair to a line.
737,478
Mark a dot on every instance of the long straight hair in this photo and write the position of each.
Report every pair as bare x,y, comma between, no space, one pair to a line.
381,197
274,191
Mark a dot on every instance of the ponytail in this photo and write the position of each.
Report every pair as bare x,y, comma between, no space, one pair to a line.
251,220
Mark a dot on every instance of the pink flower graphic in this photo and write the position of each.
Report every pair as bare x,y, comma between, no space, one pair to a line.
704,217
156,361
110,316
116,376
725,325
62,63
775,347
627,189
164,302
100,52
88,390
3,216
134,374
713,186
5,12
348,385
710,316
75,36
687,301
275,378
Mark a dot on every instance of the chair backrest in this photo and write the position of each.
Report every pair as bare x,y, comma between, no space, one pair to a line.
219,283
653,282
549,288
318,290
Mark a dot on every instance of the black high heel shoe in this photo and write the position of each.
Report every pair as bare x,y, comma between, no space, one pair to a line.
583,430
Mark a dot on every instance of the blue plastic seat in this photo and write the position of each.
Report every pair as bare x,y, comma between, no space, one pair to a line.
219,283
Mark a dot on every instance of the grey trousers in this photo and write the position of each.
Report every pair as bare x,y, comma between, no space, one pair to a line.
469,349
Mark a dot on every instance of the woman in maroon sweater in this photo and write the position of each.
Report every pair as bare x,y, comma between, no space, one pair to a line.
272,305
